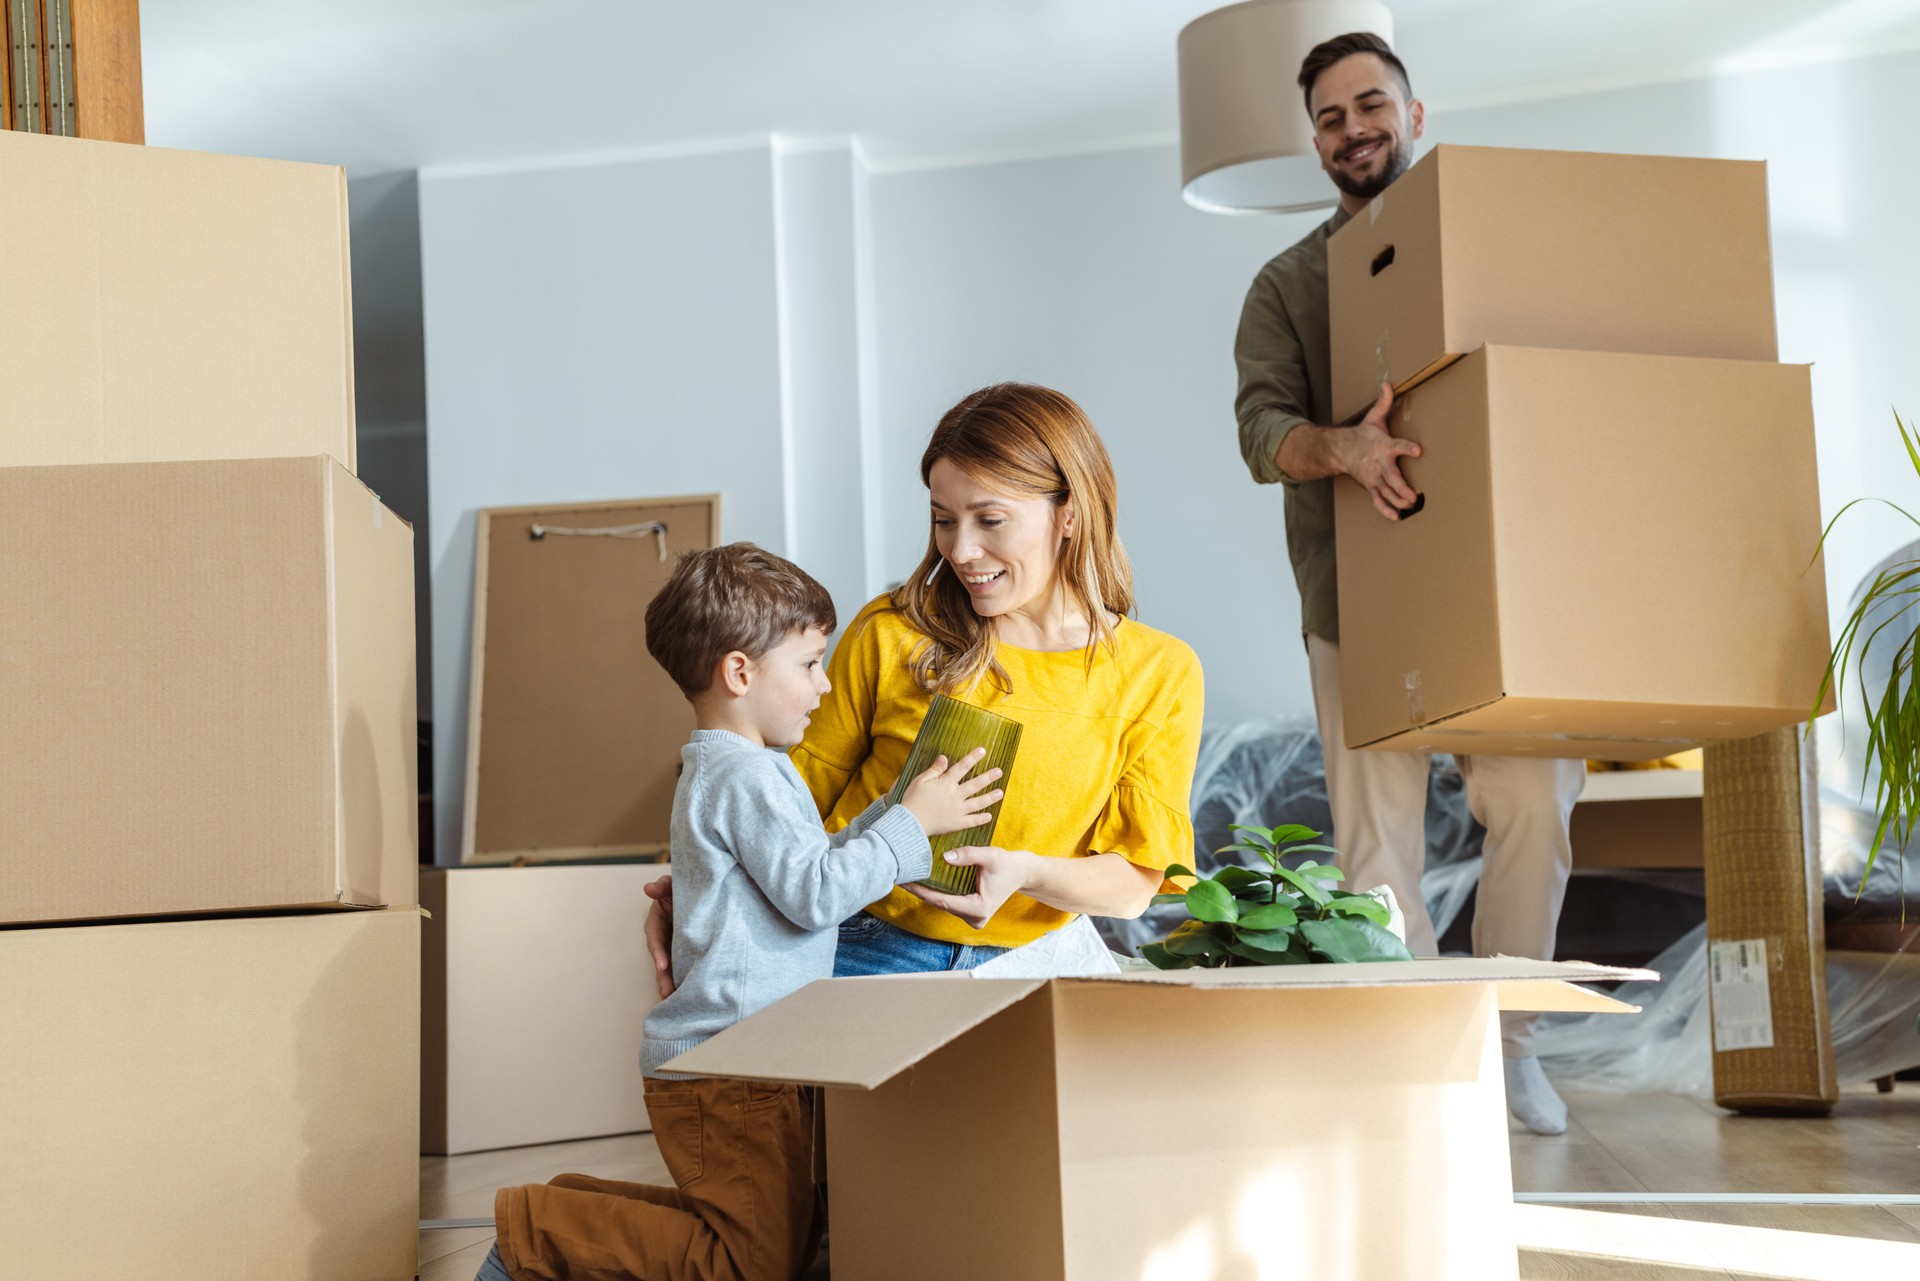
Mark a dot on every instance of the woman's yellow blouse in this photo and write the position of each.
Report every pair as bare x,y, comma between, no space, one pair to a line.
1105,765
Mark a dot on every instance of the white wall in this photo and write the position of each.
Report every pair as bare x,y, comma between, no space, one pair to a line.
787,325
1089,275
593,331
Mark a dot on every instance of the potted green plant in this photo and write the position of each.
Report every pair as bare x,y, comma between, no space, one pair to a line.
1881,616
1280,916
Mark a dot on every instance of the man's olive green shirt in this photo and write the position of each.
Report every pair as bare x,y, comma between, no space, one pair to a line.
1286,376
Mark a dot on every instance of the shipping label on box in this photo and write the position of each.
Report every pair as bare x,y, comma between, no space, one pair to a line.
1474,245
1615,559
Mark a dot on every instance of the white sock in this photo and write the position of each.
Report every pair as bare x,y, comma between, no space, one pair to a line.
1531,1097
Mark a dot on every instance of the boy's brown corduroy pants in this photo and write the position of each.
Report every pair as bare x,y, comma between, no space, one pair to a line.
741,1156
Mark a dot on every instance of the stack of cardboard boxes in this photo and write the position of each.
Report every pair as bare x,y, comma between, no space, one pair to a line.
1616,553
209,1025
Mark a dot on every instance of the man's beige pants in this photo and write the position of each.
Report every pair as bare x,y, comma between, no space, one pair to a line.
1379,802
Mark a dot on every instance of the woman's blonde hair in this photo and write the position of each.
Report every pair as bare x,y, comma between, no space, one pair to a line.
1026,442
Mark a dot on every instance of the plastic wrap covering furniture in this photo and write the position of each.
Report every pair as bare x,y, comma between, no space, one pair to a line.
1270,772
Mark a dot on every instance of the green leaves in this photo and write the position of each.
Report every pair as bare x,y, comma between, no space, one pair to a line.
1351,941
1892,712
1212,901
1281,916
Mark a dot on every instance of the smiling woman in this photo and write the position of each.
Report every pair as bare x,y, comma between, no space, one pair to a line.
1019,606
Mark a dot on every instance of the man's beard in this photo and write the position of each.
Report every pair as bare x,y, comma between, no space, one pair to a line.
1398,162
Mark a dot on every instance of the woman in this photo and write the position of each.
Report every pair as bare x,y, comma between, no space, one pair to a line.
1019,606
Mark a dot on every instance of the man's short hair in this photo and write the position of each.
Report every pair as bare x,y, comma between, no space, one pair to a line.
1328,52
722,599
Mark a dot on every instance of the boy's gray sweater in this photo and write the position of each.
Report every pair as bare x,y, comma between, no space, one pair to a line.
759,888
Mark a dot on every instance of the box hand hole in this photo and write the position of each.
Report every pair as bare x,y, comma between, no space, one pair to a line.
1419,505
1383,260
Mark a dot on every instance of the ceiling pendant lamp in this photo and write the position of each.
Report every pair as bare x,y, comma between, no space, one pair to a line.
1246,145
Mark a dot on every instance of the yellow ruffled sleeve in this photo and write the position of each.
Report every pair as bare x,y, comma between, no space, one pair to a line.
1146,820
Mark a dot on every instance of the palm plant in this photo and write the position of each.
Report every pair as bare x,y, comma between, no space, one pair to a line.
1881,617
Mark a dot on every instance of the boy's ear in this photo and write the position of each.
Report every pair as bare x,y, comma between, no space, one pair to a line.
735,669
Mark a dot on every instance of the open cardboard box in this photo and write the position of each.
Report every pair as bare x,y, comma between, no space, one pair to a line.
1325,1121
1615,559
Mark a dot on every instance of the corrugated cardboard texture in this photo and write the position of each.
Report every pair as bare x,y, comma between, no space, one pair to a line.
967,1141
557,955
208,679
1384,1129
217,1100
574,732
861,1032
1656,254
1763,882
1653,520
183,305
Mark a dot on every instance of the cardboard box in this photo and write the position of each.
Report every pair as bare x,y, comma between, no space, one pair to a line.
1766,927
208,677
537,981
218,1100
170,305
1475,245
1615,559
1163,1124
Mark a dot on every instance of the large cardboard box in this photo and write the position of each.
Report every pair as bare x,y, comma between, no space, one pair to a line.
171,305
219,1100
537,981
207,670
1475,245
1155,1124
1615,559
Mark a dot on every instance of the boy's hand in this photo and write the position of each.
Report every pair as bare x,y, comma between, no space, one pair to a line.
945,800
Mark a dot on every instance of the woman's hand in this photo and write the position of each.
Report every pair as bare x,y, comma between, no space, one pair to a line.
660,932
1003,873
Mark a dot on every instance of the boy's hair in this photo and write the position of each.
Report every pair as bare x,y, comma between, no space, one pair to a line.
1339,49
722,599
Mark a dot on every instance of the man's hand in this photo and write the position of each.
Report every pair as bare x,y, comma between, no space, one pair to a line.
660,932
1371,455
1366,451
1003,873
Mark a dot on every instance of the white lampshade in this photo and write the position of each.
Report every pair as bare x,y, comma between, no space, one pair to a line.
1246,145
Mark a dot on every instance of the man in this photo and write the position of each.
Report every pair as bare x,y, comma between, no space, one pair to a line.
1365,123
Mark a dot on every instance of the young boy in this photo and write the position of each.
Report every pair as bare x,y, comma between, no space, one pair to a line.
760,889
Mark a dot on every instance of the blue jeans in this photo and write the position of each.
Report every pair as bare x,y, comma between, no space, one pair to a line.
869,945
493,1269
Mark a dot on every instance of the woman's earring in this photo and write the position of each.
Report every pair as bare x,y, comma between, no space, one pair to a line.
935,573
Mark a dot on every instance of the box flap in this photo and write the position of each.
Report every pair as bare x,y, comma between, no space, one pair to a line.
857,1032
1523,984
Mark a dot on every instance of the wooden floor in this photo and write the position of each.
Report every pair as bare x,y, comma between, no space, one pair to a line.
1615,1143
